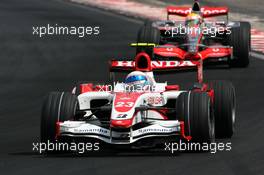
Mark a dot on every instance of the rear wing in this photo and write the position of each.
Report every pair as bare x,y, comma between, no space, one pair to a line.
205,11
143,63
118,65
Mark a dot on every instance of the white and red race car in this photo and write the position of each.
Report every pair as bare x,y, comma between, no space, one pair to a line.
117,115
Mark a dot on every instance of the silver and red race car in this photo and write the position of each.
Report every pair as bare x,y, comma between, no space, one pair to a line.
204,33
140,111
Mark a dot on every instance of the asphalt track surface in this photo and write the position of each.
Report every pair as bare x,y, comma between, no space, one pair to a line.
31,66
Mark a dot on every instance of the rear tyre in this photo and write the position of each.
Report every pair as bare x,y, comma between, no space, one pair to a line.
194,108
240,39
148,34
57,107
224,108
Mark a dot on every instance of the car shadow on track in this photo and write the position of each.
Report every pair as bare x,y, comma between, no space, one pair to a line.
127,153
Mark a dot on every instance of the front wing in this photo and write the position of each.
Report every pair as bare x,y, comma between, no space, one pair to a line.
83,129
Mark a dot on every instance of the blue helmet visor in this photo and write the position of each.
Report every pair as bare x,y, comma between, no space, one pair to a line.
135,78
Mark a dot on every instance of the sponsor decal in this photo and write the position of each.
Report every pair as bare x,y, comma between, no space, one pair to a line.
150,130
92,130
154,100
204,11
121,116
155,64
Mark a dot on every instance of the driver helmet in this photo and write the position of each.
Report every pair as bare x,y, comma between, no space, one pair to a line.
193,19
138,81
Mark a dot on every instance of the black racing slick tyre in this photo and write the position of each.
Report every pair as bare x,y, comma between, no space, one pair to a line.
240,39
148,34
194,109
57,107
224,108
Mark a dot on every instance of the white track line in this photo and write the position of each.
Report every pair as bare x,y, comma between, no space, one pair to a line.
257,55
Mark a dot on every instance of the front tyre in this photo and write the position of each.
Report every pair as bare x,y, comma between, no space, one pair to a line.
194,108
57,107
224,108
